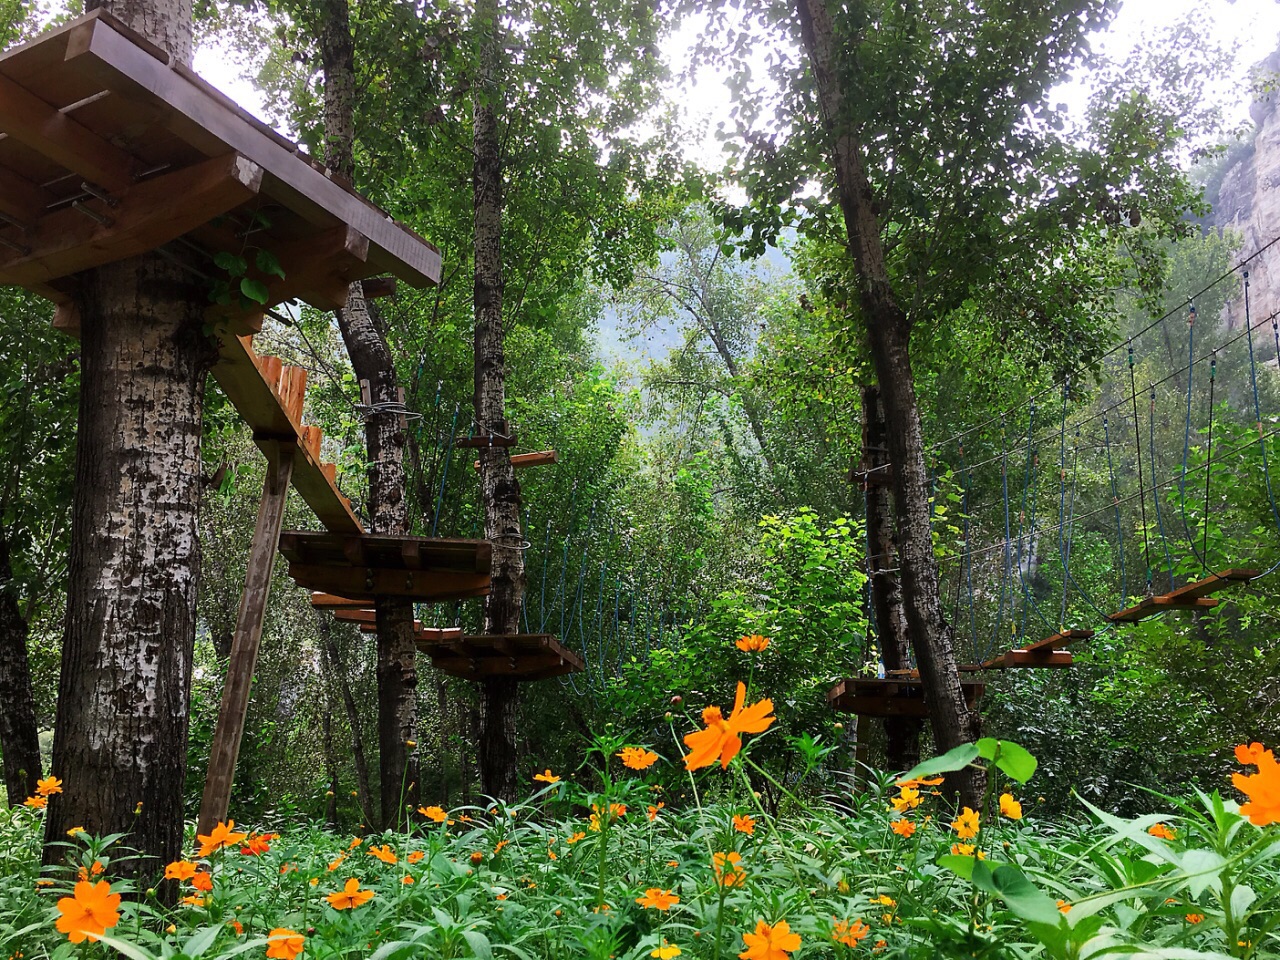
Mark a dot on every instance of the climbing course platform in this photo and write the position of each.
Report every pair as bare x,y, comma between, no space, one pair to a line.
354,568
891,696
1190,597
521,656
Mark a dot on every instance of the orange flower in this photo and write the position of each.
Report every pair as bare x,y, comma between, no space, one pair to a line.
222,835
1010,807
498,847
638,758
257,844
744,824
36,803
383,853
1161,831
355,842
575,837
770,942
1253,754
658,899
722,738
84,872
416,857
880,945
237,926
1262,788
1064,907
477,858
753,644
849,932
653,810
918,782
336,862
202,881
908,798
546,776
434,813
284,944
350,897
903,828
407,880
90,913
48,786
966,825
193,901
728,871
1195,917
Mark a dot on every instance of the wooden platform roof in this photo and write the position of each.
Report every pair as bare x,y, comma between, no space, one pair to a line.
890,697
109,149
359,568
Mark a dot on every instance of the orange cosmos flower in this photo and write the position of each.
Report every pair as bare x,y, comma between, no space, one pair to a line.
1161,831
498,847
1010,807
1262,788
407,880
1195,917
903,828
966,825
753,644
729,873
575,837
917,782
36,803
770,942
1064,907
653,810
477,858
416,856
257,844
849,932
546,776
722,739
1253,754
222,835
202,881
193,901
658,899
355,842
95,870
48,786
638,758
90,913
744,824
383,853
237,926
350,896
336,862
434,813
908,798
880,945
284,944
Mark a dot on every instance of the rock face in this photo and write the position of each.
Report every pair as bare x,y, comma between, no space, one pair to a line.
1247,200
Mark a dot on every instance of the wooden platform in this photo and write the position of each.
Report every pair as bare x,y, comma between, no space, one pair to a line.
1192,596
353,568
109,150
536,459
522,656
890,697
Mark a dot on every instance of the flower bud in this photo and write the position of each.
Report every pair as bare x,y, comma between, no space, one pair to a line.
677,700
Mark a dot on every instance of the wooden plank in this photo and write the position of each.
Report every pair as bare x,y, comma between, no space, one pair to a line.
1037,658
43,127
502,666
362,615
1154,606
302,187
386,551
293,393
528,459
1212,584
1059,640
327,601
373,627
486,440
427,586
21,199
66,241
246,640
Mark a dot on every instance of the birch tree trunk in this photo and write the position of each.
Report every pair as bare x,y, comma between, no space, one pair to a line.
19,736
120,740
385,440
499,489
889,335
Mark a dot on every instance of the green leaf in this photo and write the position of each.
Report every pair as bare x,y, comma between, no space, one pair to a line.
266,262
479,944
955,759
130,950
1024,898
201,941
254,289
1013,760
960,866
236,266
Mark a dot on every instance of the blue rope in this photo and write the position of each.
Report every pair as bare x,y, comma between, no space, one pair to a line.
1155,489
1186,445
1115,499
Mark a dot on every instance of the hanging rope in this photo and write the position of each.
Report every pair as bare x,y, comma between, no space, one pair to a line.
1186,444
1115,499
1142,494
444,471
1208,466
1155,494
1257,415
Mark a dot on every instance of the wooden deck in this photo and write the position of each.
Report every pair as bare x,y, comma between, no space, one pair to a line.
890,697
522,656
352,570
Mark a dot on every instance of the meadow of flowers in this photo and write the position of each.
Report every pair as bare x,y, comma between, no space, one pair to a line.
604,864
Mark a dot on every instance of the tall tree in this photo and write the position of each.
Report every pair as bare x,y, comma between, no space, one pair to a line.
121,732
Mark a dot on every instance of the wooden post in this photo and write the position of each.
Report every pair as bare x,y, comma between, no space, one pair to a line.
248,635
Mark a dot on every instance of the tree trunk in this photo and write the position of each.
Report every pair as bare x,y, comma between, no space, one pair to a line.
330,764
499,489
331,664
385,440
120,742
902,734
889,335
19,735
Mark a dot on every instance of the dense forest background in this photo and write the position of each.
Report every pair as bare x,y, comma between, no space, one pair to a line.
686,348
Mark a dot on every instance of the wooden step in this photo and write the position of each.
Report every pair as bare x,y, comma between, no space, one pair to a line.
1059,640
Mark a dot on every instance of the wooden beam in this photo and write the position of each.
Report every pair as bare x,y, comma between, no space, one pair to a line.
1212,584
428,586
327,601
148,215
246,641
1037,658
66,142
486,440
1059,640
21,199
528,459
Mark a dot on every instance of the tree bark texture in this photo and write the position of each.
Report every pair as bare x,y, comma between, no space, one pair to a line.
902,734
499,489
166,23
889,335
385,438
120,742
19,735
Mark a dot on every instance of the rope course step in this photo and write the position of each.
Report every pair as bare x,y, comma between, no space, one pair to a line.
1028,658
1059,640
890,697
519,460
1193,596
520,656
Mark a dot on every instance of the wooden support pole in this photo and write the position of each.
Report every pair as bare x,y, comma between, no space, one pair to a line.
248,635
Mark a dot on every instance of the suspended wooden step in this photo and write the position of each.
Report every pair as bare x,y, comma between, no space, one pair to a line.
1193,596
111,150
350,567
486,440
890,697
1012,659
519,460
521,656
